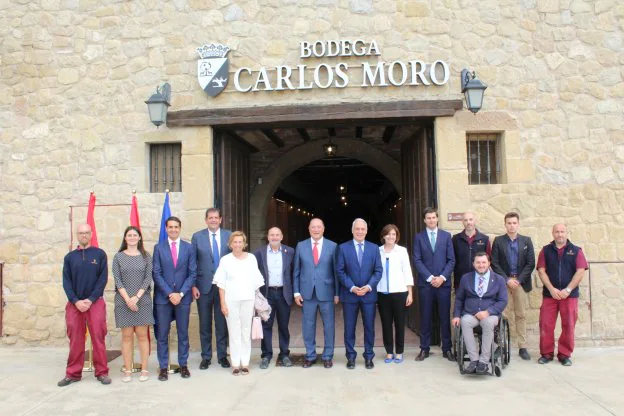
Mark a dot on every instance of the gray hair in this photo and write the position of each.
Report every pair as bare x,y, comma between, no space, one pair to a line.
356,220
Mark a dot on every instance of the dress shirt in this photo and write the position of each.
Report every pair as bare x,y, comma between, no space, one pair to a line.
274,266
435,232
400,276
355,243
486,281
513,256
238,277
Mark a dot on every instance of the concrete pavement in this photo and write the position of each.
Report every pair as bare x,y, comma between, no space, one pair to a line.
594,385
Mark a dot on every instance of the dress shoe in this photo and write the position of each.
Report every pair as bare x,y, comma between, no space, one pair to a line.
224,362
204,364
369,364
106,380
482,368
328,363
163,375
565,361
449,355
308,363
286,362
524,354
544,359
264,364
184,372
422,355
471,368
350,364
66,382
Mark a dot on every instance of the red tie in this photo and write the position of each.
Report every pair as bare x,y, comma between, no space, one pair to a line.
315,253
174,253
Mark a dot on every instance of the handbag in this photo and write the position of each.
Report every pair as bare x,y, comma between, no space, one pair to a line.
256,328
261,306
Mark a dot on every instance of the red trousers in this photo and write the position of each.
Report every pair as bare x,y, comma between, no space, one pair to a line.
568,309
77,322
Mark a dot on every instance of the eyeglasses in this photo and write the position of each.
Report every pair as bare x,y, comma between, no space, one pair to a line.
84,233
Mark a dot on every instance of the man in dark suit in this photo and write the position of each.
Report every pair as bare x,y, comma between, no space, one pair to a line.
479,301
514,259
466,244
275,262
434,260
174,272
359,269
210,245
316,289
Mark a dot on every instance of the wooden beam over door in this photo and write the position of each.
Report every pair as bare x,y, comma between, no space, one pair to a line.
270,134
309,115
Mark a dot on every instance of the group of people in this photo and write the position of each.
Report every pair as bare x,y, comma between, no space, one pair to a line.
216,270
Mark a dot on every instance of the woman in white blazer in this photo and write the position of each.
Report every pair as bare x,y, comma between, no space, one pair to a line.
394,292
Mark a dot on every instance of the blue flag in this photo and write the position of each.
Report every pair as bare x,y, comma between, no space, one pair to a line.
166,213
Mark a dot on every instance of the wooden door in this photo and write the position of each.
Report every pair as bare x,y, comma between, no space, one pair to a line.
419,192
232,186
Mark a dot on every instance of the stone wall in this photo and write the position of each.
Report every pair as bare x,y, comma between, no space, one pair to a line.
75,74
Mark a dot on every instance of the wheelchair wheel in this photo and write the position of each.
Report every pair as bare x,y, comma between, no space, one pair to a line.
506,337
459,349
497,371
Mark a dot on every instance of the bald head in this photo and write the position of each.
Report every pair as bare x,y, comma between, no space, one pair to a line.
316,228
470,222
84,235
560,234
275,237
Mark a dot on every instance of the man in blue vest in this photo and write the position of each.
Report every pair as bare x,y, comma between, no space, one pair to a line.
561,266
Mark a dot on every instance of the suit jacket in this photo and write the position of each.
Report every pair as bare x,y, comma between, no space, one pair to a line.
430,263
320,278
203,251
169,279
350,273
288,254
526,259
494,300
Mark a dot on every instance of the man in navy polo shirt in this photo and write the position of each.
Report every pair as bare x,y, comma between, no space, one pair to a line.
561,266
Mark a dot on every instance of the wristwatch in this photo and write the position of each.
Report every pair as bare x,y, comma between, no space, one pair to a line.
181,294
567,289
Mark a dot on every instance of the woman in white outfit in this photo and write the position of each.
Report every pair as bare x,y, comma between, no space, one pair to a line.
238,278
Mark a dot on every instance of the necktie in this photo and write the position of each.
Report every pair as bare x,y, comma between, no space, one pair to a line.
387,275
315,255
360,253
480,287
432,239
174,253
215,251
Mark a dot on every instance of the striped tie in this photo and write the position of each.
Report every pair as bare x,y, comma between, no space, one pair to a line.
480,287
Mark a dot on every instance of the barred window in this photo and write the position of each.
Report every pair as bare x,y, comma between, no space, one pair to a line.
166,167
483,158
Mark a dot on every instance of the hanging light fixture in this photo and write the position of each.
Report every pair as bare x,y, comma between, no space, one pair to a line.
473,90
157,104
330,148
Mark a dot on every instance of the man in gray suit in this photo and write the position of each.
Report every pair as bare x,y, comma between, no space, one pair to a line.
316,288
210,245
513,257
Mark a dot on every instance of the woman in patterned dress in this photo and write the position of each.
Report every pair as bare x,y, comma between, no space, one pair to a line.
132,269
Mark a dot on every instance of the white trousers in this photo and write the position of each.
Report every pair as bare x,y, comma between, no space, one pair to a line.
240,314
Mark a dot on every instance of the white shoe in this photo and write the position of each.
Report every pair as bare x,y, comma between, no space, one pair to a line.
144,375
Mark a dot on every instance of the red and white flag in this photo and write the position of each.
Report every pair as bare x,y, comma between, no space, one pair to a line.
91,220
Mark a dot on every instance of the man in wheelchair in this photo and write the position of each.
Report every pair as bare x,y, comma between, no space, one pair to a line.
479,301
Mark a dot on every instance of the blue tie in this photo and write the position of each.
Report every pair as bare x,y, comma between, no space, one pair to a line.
387,275
360,253
433,240
215,251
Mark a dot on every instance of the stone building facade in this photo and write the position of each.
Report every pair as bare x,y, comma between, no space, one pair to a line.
75,75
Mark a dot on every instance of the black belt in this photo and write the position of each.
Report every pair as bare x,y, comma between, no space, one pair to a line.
276,287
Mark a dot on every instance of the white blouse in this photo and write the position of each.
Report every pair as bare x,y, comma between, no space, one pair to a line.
238,277
400,271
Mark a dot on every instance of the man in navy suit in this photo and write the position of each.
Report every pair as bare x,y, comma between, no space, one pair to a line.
174,271
275,262
359,269
209,246
434,260
316,289
479,301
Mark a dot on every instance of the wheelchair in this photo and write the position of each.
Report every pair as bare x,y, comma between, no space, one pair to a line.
501,348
